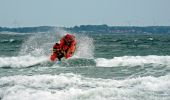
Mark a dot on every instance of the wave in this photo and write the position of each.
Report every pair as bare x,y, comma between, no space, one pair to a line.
32,61
75,87
129,61
21,61
9,41
133,61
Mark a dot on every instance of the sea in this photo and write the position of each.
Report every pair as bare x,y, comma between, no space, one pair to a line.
124,66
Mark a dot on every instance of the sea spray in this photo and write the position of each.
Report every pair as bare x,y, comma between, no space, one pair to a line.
39,44
85,47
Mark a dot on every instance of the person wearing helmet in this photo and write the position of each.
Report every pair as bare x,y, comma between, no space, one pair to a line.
68,45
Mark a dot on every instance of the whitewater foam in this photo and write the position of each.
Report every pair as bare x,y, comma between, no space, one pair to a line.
130,61
21,61
133,61
76,87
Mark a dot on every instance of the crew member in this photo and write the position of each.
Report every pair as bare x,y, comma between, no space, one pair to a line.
56,52
68,45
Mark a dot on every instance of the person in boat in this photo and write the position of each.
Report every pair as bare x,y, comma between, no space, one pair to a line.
56,52
66,48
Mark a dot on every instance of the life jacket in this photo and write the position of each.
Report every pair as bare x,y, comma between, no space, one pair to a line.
56,52
67,45
66,42
56,48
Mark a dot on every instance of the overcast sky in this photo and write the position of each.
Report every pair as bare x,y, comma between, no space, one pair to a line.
19,13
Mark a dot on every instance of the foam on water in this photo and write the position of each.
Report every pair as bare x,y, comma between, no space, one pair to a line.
30,60
133,61
76,87
21,61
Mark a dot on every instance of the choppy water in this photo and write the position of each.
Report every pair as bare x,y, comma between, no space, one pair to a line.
104,67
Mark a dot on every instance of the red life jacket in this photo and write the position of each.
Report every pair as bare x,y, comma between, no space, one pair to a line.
68,44
56,47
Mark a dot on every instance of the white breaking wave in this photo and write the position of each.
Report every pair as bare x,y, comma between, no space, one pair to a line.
133,61
21,61
76,87
29,60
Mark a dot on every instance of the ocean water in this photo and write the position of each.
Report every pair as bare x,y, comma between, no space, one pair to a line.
104,67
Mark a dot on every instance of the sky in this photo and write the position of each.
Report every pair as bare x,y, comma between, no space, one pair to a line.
69,13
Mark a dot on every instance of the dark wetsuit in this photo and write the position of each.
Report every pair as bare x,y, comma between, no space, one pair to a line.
60,55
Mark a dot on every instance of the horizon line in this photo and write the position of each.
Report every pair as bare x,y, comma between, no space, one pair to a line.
87,25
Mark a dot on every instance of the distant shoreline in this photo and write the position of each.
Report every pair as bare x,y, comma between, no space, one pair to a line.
93,29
